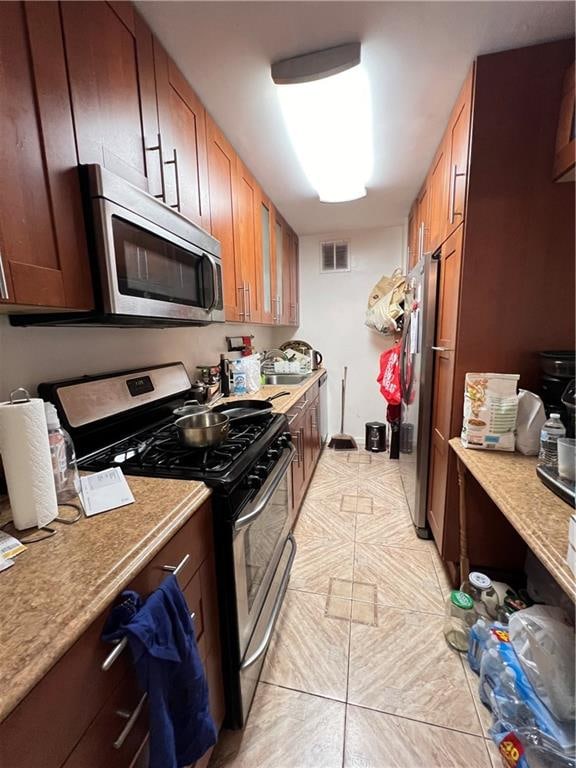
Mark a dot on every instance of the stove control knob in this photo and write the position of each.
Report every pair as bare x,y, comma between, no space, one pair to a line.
285,439
260,470
273,453
254,481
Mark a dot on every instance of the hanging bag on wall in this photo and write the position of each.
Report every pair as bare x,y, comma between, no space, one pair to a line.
389,377
386,303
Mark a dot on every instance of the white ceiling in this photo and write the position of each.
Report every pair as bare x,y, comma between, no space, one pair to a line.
416,54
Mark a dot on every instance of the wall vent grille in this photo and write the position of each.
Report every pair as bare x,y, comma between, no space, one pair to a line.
335,256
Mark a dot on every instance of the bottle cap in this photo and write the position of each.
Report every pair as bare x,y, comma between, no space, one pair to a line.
461,600
52,419
479,580
554,415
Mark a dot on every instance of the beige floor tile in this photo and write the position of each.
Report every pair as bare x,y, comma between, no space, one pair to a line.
404,667
286,729
320,519
387,497
330,487
309,650
364,592
484,714
349,503
340,588
365,505
376,740
364,613
338,608
390,527
319,561
404,577
441,573
494,754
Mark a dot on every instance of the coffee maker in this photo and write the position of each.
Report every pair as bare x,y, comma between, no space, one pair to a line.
557,369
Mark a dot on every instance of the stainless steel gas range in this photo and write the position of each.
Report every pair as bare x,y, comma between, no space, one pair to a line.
125,420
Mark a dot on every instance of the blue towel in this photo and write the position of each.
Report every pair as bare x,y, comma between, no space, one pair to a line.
161,637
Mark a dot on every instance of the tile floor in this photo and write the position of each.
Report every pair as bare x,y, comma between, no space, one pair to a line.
358,674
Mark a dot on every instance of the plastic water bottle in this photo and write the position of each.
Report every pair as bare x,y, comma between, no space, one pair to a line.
549,434
66,476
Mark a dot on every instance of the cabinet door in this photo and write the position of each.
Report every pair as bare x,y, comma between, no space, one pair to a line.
297,430
246,202
279,269
182,121
438,203
111,78
291,251
457,148
423,219
266,262
565,156
43,256
413,226
221,172
442,416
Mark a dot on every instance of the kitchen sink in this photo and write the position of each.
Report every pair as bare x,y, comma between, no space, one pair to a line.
286,379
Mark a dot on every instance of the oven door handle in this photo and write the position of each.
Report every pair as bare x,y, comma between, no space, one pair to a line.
263,645
268,489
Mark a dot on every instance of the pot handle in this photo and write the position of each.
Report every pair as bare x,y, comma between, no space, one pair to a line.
280,394
318,357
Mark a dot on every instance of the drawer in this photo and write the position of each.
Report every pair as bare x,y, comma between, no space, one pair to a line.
60,708
100,746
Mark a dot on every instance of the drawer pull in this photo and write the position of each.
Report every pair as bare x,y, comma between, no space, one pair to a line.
175,569
131,718
121,644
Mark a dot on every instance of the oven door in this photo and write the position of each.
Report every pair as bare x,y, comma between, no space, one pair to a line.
147,271
260,534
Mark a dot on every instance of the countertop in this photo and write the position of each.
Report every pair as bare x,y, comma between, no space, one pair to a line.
57,587
540,517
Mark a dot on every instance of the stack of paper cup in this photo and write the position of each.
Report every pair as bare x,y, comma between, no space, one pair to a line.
27,462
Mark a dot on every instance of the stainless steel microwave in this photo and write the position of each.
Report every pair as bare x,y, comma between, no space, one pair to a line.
150,265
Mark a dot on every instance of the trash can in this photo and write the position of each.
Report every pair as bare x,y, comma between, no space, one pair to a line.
375,436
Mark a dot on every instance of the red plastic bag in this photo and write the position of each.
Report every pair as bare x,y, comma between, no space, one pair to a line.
389,378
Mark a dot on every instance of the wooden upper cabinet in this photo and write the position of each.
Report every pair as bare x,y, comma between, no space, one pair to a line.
438,203
221,174
423,220
43,257
457,149
182,120
281,273
246,215
565,156
413,235
292,292
266,262
111,78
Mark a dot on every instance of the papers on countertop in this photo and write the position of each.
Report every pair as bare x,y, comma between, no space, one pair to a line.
105,490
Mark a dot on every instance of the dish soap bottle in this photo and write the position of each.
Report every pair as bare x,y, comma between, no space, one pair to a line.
549,434
63,456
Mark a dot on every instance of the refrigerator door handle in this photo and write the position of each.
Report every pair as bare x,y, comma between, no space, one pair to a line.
441,349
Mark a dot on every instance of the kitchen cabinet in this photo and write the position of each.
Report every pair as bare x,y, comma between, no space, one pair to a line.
110,67
43,252
305,430
291,282
413,235
298,431
565,156
182,141
438,202
221,184
457,149
444,354
506,225
267,261
74,710
247,197
281,276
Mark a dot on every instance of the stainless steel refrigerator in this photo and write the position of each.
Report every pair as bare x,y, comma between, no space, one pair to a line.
416,381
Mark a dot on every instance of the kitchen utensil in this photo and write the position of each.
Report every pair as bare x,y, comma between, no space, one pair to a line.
190,408
342,441
203,430
249,410
558,364
297,345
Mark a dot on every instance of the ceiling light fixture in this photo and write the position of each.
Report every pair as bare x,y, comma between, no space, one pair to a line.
325,100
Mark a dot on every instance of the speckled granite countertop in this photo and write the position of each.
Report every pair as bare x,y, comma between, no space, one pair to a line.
59,586
539,516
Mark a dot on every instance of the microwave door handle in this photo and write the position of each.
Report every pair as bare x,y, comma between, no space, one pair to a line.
267,491
214,269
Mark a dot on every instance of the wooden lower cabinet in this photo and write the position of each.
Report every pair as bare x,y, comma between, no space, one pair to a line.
77,711
305,431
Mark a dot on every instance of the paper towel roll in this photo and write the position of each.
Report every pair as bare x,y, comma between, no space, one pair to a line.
27,463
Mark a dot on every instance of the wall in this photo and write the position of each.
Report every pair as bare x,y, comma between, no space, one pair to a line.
332,308
29,356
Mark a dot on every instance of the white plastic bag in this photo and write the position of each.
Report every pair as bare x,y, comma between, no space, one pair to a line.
529,422
544,644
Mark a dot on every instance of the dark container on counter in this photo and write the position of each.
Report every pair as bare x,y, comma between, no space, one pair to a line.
375,436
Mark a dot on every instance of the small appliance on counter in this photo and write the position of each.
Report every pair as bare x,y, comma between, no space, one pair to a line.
375,439
561,480
557,369
303,348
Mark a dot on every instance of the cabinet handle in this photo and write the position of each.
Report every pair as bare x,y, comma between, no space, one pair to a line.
131,718
249,312
3,283
175,569
158,148
174,162
242,313
455,175
441,349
